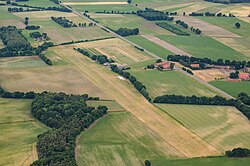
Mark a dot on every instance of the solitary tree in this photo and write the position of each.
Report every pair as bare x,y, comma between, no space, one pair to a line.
26,22
237,25
129,1
147,163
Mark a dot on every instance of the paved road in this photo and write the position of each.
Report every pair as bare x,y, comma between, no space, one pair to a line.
150,53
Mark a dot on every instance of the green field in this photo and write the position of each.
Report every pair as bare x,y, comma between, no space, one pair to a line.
220,161
170,82
18,134
40,3
233,88
229,24
130,21
204,47
223,127
150,46
119,139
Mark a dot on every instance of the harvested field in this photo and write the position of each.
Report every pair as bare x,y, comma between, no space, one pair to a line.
195,7
237,10
246,19
55,79
121,140
18,133
166,8
211,74
223,127
166,45
174,134
207,28
95,3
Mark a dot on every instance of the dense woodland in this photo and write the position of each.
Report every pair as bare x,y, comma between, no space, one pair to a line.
68,116
153,15
127,32
63,22
187,60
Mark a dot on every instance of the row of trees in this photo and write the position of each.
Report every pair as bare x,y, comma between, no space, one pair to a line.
127,32
63,22
20,9
68,116
153,15
187,70
210,14
179,99
19,95
45,59
98,58
172,28
185,25
220,62
238,152
137,84
243,104
32,27
228,1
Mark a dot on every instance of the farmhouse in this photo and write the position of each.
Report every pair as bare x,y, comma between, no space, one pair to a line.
195,66
244,76
163,65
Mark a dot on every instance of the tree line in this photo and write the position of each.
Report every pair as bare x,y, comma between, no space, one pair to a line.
172,28
238,152
127,32
228,1
63,22
153,15
87,40
45,59
18,95
185,25
187,60
210,14
68,116
32,27
243,104
98,58
20,9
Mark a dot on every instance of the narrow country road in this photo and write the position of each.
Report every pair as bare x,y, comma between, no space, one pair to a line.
150,53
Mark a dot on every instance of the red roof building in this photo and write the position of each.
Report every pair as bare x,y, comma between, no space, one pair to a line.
195,65
244,76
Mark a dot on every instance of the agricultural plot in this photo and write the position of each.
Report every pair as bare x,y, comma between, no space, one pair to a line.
170,82
57,33
9,19
223,127
129,21
150,46
121,140
212,74
204,47
18,134
195,7
40,3
232,88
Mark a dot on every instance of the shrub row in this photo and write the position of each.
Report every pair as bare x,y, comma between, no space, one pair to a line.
82,41
172,28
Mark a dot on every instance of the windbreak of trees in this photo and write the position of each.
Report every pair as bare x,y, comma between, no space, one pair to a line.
68,116
179,99
228,1
243,104
187,60
137,84
18,95
45,59
63,22
127,32
210,14
98,58
238,152
20,9
55,1
32,27
116,12
153,15
187,70
172,28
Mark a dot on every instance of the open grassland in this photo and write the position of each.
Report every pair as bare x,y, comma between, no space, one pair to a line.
18,134
233,88
218,161
57,33
150,46
223,127
53,79
129,21
170,82
120,139
174,134
21,62
7,18
116,49
112,105
101,8
40,3
229,24
204,47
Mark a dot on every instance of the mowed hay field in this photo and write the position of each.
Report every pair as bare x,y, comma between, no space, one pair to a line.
170,82
116,49
223,127
120,139
174,134
233,88
204,47
18,134
59,34
116,21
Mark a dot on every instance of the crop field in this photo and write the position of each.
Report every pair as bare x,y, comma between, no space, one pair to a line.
130,21
18,133
170,82
233,88
212,74
9,19
204,47
223,127
121,140
57,33
150,46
